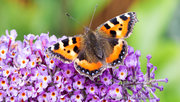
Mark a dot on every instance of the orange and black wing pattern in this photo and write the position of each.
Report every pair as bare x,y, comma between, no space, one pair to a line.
88,64
66,50
119,51
120,26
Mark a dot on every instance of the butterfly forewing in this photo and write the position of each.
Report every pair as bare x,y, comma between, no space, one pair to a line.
120,26
67,49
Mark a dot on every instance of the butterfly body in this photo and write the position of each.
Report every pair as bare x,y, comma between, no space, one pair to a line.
94,51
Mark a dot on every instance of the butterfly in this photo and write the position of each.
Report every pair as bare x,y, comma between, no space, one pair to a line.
94,51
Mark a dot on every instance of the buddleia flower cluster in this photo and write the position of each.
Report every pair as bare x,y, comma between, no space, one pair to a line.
28,74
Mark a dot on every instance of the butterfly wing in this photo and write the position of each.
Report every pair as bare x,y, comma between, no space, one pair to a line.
120,26
116,55
66,50
88,66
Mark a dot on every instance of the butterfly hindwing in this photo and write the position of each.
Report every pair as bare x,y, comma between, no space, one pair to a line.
88,65
120,26
66,50
118,53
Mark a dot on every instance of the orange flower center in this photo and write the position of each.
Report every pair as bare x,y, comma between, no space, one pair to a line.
95,98
77,96
102,89
57,78
53,94
45,78
12,98
51,61
2,51
65,79
10,88
40,84
26,73
105,79
22,100
3,82
44,95
103,100
7,72
23,94
68,72
79,83
63,99
117,90
122,73
13,54
23,62
14,78
33,63
47,56
69,88
92,89
60,87
37,74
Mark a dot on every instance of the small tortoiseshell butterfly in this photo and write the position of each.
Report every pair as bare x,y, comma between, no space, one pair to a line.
94,51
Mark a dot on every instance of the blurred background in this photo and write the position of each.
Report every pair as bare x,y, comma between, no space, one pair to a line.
157,32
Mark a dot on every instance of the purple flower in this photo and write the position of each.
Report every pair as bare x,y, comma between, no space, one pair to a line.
39,86
6,71
102,90
92,98
79,82
22,61
3,51
30,37
32,62
11,91
27,73
13,34
106,78
121,72
130,61
91,89
68,70
23,95
3,83
115,91
58,77
12,99
77,96
68,87
52,94
2,94
43,97
31,92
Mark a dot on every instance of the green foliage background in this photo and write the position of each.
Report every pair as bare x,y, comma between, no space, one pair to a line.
157,32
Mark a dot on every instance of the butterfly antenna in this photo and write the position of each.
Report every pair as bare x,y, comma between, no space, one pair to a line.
72,18
92,16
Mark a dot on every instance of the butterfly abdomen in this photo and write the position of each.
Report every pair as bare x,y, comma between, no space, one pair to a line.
94,45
